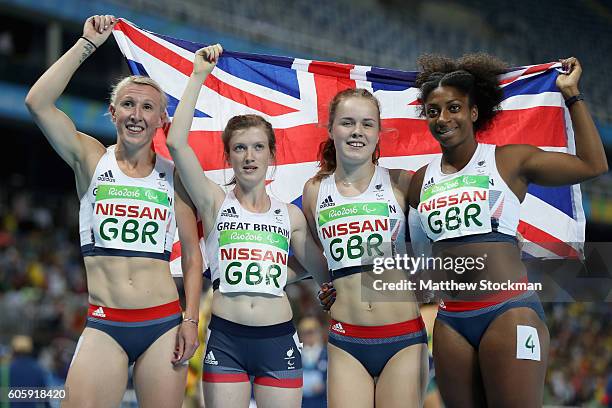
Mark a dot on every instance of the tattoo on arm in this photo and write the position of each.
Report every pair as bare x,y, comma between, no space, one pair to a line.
89,49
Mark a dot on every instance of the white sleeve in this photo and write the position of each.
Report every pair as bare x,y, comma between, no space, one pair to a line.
421,245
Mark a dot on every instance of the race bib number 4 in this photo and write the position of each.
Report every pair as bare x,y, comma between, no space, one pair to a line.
131,218
253,261
355,234
527,343
456,208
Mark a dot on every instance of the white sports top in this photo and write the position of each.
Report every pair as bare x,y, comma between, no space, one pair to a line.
248,252
126,216
355,230
475,200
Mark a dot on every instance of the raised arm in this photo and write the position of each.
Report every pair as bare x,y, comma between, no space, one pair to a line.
551,168
74,147
205,194
306,251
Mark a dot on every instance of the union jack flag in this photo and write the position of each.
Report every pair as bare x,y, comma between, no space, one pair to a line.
294,95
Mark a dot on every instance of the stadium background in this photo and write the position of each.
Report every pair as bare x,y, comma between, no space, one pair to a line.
42,281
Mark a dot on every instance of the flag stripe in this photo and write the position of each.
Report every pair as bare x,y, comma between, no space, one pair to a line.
186,67
547,241
531,86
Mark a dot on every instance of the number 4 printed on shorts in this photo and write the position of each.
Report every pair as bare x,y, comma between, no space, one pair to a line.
527,343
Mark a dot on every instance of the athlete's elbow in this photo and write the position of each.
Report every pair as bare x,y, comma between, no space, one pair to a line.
32,102
191,260
598,168
603,168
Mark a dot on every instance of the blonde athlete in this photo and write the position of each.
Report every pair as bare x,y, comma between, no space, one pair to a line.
248,234
377,350
128,215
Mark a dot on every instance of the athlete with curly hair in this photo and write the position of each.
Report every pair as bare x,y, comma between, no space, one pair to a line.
489,350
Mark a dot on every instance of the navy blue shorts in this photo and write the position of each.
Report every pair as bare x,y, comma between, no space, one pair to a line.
266,355
472,324
374,346
135,329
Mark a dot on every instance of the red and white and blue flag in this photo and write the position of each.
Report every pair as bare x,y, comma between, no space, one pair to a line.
294,95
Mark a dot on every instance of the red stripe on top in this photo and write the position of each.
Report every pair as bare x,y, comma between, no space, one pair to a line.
279,382
497,298
225,378
134,315
176,61
547,241
377,332
200,229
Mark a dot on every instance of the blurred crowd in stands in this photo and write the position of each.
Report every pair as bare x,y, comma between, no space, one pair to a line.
43,299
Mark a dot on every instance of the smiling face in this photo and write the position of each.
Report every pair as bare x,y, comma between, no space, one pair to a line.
355,130
449,116
137,113
250,155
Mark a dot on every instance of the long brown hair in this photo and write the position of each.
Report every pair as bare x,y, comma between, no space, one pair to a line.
327,149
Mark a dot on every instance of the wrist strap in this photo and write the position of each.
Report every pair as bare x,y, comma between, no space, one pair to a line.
570,101
89,41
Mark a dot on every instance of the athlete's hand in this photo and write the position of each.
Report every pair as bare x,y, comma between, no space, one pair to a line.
97,29
568,82
186,343
327,295
206,59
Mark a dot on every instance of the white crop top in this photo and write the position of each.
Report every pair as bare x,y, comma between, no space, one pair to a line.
248,252
473,201
355,230
126,216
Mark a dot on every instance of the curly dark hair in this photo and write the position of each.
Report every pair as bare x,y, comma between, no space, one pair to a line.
473,74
